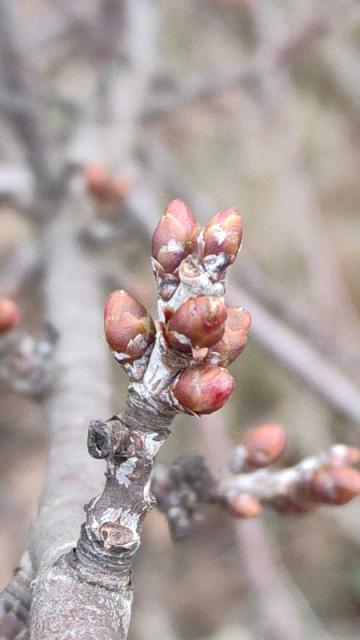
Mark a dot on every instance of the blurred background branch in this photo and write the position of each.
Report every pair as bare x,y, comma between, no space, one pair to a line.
252,103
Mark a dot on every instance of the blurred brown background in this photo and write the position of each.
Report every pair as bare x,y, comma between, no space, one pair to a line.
252,103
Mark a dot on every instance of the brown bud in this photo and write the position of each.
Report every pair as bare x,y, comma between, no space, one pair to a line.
203,388
97,180
234,339
243,505
198,322
175,236
129,328
9,315
223,235
102,187
264,444
334,485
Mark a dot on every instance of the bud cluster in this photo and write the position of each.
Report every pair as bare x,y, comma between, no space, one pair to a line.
198,336
325,479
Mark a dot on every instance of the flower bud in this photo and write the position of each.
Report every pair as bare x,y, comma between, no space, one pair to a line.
129,328
175,236
235,336
97,180
198,322
103,188
334,485
203,388
264,444
223,235
9,315
243,505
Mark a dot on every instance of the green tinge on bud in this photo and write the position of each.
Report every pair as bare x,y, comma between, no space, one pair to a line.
9,315
203,389
234,339
175,236
129,328
223,235
198,322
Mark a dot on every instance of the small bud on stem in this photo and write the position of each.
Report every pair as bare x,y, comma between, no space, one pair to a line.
243,505
9,315
129,328
264,444
101,186
335,485
203,388
175,236
198,322
234,339
223,235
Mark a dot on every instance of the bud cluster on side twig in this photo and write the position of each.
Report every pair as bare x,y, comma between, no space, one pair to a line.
328,478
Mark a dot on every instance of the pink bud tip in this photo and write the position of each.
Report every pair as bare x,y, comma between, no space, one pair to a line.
198,322
9,315
264,444
203,388
175,236
129,328
223,234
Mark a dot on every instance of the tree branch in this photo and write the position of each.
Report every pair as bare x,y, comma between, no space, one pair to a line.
160,366
26,117
183,486
265,63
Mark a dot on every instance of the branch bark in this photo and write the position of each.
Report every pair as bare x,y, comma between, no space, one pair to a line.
71,475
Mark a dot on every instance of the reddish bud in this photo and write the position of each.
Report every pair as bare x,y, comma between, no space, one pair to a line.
198,322
97,180
203,388
334,485
234,339
264,444
175,236
243,505
223,234
129,328
9,315
102,187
